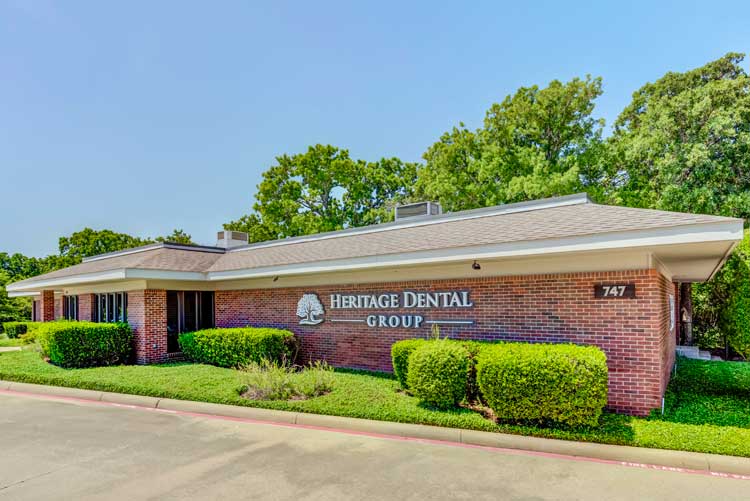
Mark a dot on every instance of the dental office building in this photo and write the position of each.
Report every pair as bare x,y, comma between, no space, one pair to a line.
555,270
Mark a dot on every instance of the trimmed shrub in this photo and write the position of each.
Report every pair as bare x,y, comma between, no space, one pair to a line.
437,373
564,384
72,344
400,352
17,329
237,347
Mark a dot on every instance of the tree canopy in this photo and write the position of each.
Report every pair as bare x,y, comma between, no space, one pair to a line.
683,143
324,189
88,242
536,143
177,237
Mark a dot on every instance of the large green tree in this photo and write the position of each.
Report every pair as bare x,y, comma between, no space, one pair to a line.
324,189
89,242
536,143
683,143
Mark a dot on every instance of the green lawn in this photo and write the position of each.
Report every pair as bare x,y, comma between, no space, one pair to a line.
4,341
701,417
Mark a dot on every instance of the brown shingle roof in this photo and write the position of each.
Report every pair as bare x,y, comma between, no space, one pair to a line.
555,222
498,225
156,257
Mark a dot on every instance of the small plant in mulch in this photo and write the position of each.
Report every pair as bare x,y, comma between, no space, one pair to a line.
278,381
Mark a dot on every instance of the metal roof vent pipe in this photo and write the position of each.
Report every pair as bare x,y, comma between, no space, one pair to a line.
227,239
417,209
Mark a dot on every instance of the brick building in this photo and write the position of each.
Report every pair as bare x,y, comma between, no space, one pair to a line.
554,270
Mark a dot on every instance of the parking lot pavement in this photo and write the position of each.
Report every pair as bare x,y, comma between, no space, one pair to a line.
51,449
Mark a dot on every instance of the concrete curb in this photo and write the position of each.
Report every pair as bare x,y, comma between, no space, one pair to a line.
633,456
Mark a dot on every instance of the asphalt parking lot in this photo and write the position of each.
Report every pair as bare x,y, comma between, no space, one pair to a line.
51,449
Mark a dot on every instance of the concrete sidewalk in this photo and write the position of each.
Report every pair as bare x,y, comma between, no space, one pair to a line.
625,455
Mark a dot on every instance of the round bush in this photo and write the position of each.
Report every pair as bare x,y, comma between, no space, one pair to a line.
17,329
400,353
437,373
236,347
541,382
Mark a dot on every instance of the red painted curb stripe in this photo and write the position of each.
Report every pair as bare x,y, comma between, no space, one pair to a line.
518,452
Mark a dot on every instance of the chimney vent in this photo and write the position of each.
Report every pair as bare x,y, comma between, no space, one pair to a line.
228,239
417,209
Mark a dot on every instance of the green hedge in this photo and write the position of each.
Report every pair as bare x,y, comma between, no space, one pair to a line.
400,352
237,347
72,344
544,383
437,373
16,329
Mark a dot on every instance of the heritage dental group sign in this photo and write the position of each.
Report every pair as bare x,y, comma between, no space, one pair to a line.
311,310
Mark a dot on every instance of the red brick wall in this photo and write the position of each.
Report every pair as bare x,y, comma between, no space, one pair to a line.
85,307
537,308
147,315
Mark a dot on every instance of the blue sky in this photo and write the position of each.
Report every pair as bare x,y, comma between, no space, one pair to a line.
142,117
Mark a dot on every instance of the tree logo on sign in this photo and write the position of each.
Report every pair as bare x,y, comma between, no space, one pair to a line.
310,310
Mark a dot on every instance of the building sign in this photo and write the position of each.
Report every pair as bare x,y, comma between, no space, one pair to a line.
311,311
607,291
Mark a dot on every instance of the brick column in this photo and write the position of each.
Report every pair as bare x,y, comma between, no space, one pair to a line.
147,315
86,307
47,306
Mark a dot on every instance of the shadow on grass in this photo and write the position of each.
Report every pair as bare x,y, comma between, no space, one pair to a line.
365,372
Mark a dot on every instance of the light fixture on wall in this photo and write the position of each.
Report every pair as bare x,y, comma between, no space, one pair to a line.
476,266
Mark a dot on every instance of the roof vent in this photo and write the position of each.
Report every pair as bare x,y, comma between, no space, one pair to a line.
418,209
228,239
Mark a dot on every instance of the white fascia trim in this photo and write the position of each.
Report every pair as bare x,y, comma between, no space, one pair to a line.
710,232
23,294
105,276
443,218
37,285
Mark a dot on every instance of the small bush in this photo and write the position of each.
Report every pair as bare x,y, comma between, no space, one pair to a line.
400,352
17,329
438,372
540,382
273,381
238,347
84,344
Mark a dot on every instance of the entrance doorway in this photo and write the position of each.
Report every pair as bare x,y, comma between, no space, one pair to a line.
187,311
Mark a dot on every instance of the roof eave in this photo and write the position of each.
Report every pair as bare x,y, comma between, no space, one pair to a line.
730,231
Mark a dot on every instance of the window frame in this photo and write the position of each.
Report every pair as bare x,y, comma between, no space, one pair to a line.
110,307
70,307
